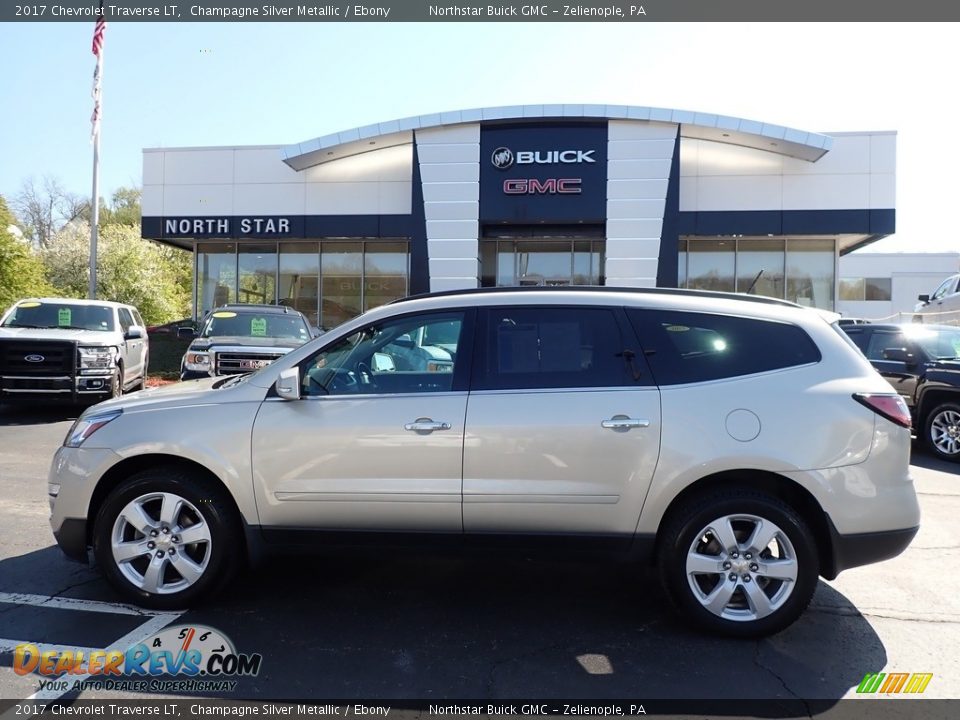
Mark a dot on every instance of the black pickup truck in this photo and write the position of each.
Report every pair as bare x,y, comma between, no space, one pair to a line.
922,363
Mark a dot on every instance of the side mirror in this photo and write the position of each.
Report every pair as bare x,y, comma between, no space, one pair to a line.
134,333
899,355
186,333
288,384
923,298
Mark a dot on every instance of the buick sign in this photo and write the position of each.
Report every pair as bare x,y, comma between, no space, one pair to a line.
34,358
502,158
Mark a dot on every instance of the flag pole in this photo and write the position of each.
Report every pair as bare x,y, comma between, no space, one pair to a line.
98,32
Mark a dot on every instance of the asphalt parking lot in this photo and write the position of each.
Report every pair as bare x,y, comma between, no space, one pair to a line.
446,627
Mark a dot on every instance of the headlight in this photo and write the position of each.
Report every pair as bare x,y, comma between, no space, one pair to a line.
197,361
97,358
87,426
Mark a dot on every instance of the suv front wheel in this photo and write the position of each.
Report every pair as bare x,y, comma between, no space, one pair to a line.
167,537
739,563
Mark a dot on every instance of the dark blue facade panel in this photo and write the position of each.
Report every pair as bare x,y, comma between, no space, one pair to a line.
788,222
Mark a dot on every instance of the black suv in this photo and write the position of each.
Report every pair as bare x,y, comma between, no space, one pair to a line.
922,363
236,339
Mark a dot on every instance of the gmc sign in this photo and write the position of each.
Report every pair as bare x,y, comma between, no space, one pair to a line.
549,186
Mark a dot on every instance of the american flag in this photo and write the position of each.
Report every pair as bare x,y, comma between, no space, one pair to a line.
98,30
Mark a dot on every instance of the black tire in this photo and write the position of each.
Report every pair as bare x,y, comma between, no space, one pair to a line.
226,535
142,384
683,528
116,383
941,413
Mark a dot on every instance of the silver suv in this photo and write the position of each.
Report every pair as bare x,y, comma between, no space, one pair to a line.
744,445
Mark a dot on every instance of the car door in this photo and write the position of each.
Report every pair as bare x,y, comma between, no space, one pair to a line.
563,423
376,441
902,376
132,348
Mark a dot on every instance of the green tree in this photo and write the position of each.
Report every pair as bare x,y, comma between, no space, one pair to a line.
123,209
21,270
129,270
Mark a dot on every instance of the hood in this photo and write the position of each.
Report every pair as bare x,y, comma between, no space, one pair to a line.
84,337
189,392
247,341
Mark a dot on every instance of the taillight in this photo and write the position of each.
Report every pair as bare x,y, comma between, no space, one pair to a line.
892,407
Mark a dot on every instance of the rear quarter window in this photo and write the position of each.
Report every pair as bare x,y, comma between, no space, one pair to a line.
685,347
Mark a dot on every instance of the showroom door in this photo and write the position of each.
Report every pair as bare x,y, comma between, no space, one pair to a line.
563,424
376,440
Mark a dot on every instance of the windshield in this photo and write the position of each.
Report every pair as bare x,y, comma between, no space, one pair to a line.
942,343
65,315
266,325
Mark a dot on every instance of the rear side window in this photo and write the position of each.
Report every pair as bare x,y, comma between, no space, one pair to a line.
684,347
551,347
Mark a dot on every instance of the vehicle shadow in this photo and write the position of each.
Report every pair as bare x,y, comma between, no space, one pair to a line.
12,414
424,626
922,457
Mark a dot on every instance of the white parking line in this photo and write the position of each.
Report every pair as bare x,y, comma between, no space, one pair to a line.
61,603
157,620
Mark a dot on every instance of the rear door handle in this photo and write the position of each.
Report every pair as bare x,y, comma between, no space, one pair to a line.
426,425
622,422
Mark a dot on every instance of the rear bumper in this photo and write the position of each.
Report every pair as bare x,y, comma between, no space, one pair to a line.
850,551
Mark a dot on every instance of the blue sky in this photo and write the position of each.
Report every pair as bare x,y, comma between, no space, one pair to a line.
200,84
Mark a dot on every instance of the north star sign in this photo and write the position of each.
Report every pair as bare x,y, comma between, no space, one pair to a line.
224,226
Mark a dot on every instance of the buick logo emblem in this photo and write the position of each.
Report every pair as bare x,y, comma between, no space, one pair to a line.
34,358
502,158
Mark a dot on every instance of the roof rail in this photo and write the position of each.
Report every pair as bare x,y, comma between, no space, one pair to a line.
602,288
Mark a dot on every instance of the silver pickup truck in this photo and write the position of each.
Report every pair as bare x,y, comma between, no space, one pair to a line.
76,351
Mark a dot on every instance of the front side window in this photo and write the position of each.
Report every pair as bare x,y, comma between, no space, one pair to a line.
881,341
529,348
684,347
946,288
126,319
405,355
61,315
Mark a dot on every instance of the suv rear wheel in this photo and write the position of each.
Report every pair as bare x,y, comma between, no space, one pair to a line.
942,431
166,537
739,563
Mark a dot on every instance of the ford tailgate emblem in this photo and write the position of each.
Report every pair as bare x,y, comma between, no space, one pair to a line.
34,358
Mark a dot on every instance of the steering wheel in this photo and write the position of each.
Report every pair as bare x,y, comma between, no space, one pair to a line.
343,381
364,376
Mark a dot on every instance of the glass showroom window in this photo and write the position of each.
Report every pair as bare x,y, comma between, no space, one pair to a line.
547,261
257,272
760,266
811,272
341,282
711,264
216,275
300,278
384,272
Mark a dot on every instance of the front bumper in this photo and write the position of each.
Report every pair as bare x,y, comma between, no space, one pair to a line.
850,551
76,471
75,389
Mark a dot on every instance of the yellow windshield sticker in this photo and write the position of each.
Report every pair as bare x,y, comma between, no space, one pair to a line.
64,315
224,314
258,327
29,305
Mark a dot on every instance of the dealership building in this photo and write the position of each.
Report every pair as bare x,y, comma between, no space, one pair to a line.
523,195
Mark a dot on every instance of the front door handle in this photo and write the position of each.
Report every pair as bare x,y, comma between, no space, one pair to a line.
622,422
426,425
